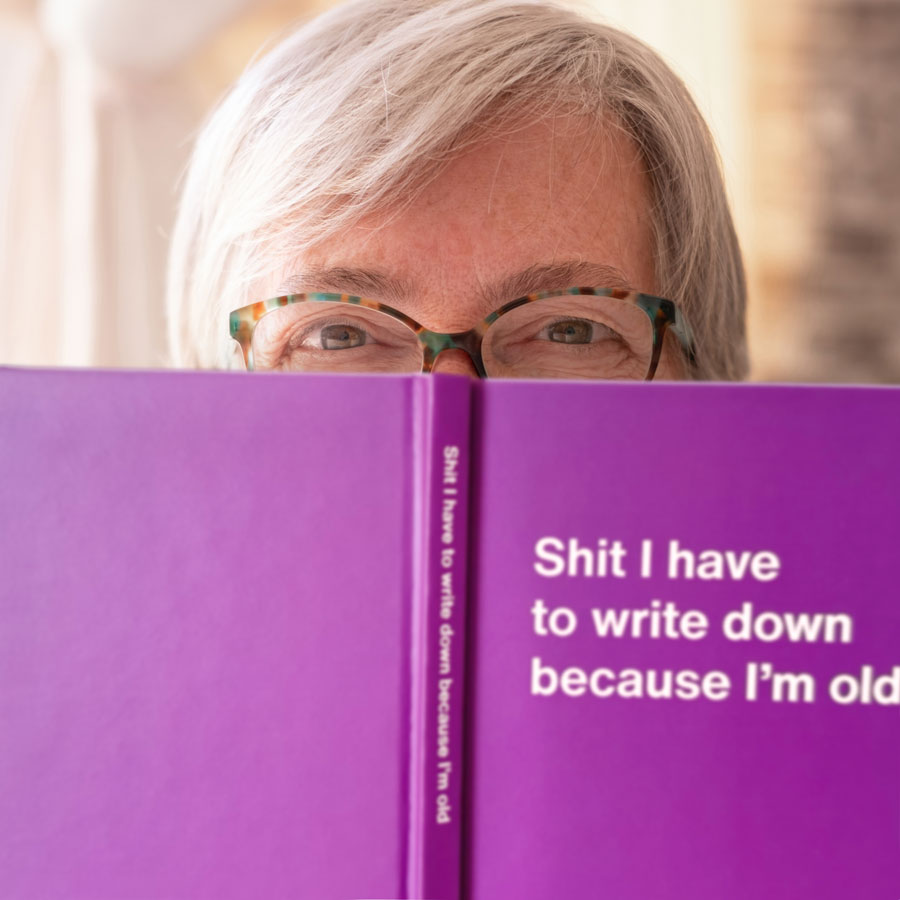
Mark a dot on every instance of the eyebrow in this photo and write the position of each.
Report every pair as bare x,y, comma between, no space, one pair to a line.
555,276
382,285
346,280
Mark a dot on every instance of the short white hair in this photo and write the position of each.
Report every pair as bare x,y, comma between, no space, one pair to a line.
360,108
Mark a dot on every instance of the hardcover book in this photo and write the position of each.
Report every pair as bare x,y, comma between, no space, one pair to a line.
426,637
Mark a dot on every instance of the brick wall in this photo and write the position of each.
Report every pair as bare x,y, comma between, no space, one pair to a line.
825,78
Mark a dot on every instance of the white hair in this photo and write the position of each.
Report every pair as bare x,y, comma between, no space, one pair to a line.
360,108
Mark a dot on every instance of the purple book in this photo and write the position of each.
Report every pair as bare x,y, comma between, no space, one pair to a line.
422,637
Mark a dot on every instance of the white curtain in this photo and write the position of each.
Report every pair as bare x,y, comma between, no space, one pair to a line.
96,117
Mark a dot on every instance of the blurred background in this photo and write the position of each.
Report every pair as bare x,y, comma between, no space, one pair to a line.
100,99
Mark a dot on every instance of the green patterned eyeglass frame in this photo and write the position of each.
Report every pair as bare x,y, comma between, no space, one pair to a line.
664,315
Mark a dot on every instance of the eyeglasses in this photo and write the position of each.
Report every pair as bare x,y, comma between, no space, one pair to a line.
579,332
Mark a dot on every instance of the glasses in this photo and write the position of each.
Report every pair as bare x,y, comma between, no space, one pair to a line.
579,332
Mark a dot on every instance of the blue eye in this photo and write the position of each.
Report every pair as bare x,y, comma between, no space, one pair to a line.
571,331
341,337
579,331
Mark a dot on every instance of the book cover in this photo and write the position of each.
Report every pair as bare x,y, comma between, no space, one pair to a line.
686,643
253,642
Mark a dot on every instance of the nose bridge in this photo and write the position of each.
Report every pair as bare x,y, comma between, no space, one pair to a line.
454,360
458,352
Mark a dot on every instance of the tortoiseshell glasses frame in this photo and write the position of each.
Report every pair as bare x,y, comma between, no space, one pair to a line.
663,314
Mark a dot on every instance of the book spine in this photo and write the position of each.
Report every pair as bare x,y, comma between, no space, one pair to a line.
437,648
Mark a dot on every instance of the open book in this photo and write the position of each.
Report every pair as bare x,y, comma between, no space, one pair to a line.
422,637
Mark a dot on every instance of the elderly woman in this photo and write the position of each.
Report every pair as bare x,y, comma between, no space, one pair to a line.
487,186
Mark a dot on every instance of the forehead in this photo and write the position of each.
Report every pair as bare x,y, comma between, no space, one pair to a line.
558,190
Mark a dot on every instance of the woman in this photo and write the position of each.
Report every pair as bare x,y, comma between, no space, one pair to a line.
451,163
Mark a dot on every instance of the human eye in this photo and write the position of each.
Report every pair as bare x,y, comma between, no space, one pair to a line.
577,331
571,337
323,336
332,336
310,337
349,342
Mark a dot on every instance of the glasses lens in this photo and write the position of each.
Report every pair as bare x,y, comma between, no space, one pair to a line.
325,336
570,337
